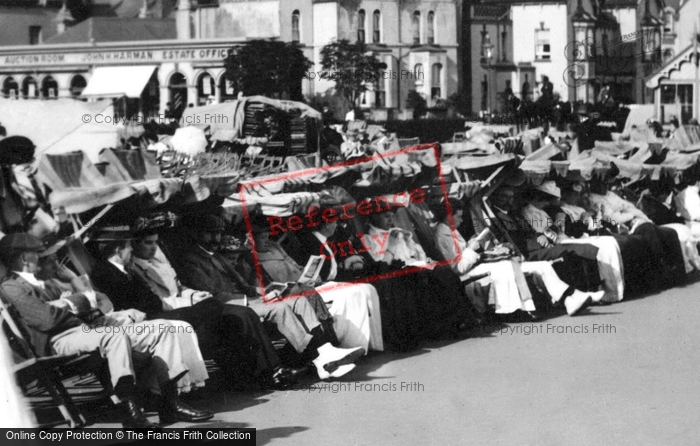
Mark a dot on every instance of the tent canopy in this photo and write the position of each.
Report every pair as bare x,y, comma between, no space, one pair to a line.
126,81
231,115
58,126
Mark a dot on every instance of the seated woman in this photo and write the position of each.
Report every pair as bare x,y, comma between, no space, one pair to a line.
508,282
354,307
409,305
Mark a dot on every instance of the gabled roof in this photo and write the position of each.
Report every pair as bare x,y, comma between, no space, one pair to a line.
111,29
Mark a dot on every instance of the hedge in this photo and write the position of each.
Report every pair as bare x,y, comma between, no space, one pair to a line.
427,130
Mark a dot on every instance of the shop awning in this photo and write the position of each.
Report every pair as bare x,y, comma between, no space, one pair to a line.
119,81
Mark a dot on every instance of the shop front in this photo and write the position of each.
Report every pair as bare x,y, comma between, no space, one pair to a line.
143,78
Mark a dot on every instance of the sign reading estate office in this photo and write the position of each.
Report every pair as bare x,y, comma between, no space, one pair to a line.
109,57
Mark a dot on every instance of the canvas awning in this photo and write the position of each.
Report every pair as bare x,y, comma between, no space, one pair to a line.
119,81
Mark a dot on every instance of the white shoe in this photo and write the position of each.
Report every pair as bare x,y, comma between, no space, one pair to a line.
576,302
340,371
330,358
597,297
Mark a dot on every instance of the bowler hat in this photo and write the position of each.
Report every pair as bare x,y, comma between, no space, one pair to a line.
211,223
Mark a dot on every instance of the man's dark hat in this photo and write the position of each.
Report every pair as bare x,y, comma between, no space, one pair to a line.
17,242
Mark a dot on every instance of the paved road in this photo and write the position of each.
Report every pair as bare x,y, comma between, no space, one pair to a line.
625,374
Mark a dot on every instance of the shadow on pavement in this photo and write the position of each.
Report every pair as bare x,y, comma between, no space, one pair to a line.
264,436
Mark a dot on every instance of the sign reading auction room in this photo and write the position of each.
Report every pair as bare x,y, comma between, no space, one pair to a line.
110,57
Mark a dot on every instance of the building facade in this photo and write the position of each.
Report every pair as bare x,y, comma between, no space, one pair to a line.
676,85
186,42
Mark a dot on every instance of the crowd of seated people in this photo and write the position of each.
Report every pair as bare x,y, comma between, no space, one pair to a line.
385,282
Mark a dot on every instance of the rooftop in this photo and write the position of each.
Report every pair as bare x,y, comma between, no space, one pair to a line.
113,29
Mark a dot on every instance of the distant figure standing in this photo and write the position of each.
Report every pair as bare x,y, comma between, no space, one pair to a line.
547,90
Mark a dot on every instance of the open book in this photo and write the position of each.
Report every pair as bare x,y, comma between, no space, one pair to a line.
310,274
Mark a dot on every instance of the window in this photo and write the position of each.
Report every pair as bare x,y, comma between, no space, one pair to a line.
431,28
669,22
296,36
10,88
361,25
377,26
676,99
504,37
35,35
604,43
418,74
49,88
379,91
77,85
205,88
29,88
542,47
415,27
226,90
436,81
652,45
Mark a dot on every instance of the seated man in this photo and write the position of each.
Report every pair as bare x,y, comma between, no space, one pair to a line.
218,332
546,195
536,246
507,276
54,330
150,264
663,242
574,221
355,307
202,268
77,295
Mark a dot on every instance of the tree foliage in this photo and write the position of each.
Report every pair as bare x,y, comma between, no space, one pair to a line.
351,66
267,67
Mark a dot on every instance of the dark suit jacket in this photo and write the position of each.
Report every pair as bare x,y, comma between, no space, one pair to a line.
524,237
310,246
199,271
125,292
38,319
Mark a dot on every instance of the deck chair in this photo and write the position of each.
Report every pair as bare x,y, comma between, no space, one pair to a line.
48,372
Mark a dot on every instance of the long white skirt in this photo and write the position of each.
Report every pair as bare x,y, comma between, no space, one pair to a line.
505,294
609,265
355,310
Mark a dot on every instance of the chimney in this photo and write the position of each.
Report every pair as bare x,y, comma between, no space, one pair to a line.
182,20
64,19
143,12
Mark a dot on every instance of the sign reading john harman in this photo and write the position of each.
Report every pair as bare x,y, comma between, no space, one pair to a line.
213,53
